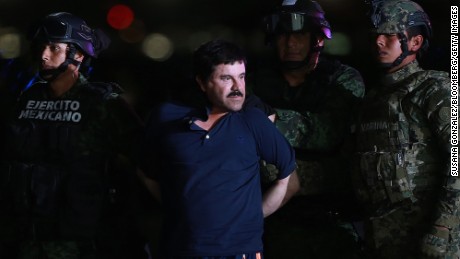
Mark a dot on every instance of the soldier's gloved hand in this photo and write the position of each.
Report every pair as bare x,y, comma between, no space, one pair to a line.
435,243
293,126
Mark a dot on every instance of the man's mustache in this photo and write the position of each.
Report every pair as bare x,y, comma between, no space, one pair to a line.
235,93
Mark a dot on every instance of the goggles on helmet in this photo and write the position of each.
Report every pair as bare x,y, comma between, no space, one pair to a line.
285,22
54,29
294,22
65,28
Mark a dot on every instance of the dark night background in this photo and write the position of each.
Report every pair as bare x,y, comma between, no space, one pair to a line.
183,21
188,23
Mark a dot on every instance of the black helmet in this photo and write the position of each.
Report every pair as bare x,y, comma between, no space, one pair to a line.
67,28
298,15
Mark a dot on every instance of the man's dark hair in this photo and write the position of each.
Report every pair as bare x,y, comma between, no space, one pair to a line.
213,53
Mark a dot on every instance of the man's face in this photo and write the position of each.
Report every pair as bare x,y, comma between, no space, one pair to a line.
226,87
293,46
387,48
52,55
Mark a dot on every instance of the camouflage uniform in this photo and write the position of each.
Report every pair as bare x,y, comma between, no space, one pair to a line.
316,118
66,175
403,145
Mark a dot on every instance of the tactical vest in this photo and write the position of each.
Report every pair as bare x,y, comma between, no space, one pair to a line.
399,160
46,177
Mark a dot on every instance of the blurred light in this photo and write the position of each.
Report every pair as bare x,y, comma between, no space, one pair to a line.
339,45
157,47
178,35
120,16
10,45
134,33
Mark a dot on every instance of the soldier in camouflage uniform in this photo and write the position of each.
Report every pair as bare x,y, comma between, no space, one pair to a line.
66,161
314,99
403,144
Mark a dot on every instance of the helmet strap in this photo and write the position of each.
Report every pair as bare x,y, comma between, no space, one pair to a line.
404,49
55,72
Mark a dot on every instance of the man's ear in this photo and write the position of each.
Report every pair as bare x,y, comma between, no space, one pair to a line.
79,56
415,43
200,83
320,41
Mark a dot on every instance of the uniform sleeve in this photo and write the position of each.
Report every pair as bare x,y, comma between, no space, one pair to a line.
440,240
324,128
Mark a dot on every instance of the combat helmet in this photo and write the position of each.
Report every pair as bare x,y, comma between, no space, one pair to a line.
65,27
299,16
396,17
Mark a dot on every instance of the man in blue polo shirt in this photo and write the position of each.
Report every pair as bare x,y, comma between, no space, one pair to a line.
206,163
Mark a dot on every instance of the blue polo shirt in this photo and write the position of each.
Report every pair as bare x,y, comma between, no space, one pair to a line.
210,180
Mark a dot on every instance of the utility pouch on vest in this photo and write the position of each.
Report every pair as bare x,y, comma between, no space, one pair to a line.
396,178
30,189
368,163
386,176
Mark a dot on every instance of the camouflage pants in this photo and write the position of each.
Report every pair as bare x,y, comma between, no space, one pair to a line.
402,233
